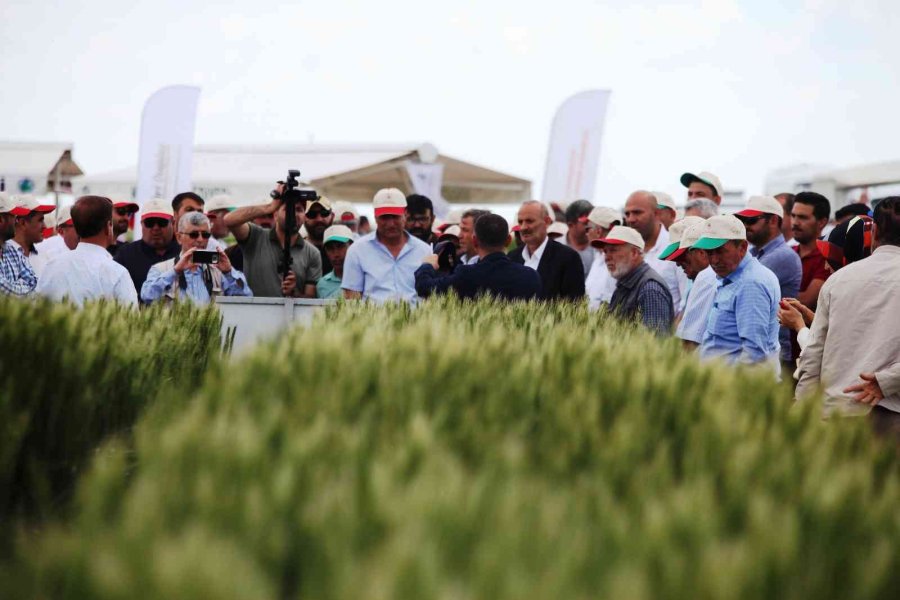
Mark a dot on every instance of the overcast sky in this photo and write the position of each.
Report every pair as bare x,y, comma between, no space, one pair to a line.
738,88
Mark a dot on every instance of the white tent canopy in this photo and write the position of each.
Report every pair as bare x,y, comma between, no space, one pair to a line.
352,172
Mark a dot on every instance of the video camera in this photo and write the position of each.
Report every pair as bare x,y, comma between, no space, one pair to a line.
290,197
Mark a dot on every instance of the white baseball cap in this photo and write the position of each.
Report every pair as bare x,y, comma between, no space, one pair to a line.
761,205
453,230
389,201
604,217
557,227
64,215
718,230
219,202
703,177
159,208
338,233
664,200
27,204
7,205
621,235
345,212
675,233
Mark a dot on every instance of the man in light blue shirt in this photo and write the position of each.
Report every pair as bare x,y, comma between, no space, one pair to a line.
336,240
381,266
743,323
182,277
763,218
695,264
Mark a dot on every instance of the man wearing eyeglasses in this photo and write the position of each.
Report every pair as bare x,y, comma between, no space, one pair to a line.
122,213
157,242
319,217
178,278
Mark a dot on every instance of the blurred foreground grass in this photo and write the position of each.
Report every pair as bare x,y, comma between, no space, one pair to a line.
476,451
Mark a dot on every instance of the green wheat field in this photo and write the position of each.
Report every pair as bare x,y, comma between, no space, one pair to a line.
453,451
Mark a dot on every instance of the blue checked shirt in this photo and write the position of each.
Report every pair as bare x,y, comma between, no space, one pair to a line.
781,259
743,323
17,278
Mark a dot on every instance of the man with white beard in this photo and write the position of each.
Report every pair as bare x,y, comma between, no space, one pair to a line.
640,291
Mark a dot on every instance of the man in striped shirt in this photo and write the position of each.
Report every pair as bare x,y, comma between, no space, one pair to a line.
16,276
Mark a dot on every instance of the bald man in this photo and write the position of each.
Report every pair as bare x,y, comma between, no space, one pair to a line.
560,267
641,214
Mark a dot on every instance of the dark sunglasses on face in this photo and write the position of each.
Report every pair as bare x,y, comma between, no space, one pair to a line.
152,222
195,234
750,220
124,212
315,214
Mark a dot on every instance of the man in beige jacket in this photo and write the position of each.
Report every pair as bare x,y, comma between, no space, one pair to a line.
854,346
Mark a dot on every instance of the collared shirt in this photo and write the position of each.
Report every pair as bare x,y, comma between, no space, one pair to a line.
263,254
469,260
696,308
814,267
372,270
743,323
668,270
36,259
87,273
856,330
778,257
329,287
139,256
52,247
159,282
600,284
17,278
652,299
533,260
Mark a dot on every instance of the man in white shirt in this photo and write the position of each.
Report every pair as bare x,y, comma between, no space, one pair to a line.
641,213
89,272
66,238
600,284
695,264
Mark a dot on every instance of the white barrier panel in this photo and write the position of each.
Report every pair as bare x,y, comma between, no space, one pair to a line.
256,319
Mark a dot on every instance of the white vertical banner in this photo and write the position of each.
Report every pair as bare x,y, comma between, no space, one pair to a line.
574,152
167,144
427,179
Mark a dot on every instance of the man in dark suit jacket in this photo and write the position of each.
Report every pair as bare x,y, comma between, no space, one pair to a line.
493,274
560,267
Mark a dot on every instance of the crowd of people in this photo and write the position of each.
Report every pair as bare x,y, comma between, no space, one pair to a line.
762,286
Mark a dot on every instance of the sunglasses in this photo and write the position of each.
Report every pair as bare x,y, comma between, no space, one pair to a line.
315,214
196,234
152,222
124,212
751,220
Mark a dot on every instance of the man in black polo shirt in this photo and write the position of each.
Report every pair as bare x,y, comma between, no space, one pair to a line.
263,250
157,242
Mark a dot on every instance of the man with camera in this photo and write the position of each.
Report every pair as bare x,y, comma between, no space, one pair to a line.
198,274
494,274
263,250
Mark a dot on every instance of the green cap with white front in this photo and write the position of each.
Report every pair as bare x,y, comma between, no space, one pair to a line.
718,230
338,233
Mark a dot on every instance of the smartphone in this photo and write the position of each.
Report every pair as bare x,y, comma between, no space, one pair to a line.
205,257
